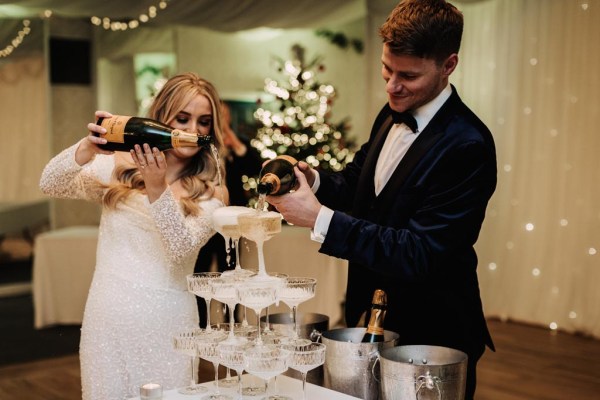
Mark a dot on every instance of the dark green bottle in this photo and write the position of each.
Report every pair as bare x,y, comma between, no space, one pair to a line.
277,176
123,132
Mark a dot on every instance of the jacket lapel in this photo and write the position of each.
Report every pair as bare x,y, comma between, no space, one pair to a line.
366,184
422,144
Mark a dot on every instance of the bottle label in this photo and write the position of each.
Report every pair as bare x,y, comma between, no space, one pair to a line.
115,128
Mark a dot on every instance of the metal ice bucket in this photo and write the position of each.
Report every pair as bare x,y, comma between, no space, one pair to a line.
349,364
310,326
423,373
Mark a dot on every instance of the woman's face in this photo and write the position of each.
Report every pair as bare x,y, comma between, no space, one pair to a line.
196,117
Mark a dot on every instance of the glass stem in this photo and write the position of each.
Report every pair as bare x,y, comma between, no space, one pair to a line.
267,325
236,243
208,327
193,381
245,321
231,320
261,259
304,385
216,365
295,317
275,386
239,376
259,337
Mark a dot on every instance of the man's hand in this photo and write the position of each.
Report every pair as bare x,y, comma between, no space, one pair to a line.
301,206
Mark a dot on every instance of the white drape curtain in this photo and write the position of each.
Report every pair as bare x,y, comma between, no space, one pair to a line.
529,69
24,147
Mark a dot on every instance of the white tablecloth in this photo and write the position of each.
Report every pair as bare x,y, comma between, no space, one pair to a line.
285,386
63,265
64,262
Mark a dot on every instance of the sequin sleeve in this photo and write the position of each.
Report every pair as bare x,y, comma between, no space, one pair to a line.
64,178
182,236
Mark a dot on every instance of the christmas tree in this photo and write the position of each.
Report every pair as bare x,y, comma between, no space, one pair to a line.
297,123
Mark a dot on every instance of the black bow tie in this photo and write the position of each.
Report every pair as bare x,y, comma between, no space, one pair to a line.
405,118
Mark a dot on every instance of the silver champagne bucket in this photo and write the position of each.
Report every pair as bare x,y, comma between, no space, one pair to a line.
423,372
310,326
350,365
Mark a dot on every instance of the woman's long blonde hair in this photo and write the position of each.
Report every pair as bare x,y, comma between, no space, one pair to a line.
200,175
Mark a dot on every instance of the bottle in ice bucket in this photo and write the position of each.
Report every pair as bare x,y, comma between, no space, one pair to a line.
277,176
374,331
123,132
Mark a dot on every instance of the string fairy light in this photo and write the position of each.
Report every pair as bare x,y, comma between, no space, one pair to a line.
21,34
17,40
108,24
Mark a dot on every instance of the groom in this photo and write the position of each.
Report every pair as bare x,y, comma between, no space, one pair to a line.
407,211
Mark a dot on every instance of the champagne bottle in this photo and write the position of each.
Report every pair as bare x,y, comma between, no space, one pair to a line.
277,176
374,331
123,132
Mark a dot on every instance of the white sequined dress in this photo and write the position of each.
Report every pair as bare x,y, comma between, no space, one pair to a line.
138,298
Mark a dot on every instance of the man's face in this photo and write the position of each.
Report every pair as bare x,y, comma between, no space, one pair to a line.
413,81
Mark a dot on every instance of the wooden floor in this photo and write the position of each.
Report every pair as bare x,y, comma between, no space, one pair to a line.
530,364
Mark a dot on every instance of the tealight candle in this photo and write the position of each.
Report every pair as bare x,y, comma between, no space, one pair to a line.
151,391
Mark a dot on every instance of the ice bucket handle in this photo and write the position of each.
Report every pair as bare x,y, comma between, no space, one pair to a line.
315,336
429,382
375,356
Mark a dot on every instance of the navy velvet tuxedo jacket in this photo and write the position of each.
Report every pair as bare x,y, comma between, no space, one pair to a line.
415,239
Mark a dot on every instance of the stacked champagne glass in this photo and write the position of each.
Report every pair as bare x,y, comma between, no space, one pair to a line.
240,346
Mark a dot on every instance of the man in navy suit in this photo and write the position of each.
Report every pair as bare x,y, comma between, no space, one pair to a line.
407,211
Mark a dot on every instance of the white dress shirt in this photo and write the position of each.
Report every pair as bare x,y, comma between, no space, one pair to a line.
397,143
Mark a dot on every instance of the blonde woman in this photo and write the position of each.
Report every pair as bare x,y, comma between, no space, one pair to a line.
155,218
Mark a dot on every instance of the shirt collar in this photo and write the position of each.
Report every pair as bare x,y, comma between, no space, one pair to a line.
425,113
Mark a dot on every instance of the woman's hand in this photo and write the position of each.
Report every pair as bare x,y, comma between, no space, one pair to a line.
153,166
88,148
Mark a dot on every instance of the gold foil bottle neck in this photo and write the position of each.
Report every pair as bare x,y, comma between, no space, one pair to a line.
379,297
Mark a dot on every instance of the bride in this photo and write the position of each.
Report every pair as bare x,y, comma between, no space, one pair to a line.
155,218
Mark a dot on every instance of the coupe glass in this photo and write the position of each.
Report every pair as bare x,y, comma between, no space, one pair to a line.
258,294
260,227
243,334
267,329
297,290
232,356
225,221
267,362
304,358
225,291
207,349
199,284
185,342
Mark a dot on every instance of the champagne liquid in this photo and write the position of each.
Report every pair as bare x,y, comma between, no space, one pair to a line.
260,226
261,202
230,231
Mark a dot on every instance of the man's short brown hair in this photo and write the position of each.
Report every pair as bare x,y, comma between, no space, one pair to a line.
423,28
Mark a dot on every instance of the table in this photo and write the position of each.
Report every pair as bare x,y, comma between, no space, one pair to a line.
285,385
63,266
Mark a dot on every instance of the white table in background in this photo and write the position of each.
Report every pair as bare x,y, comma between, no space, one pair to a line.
63,266
285,386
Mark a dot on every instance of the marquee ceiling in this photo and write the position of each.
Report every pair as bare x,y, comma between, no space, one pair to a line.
220,15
